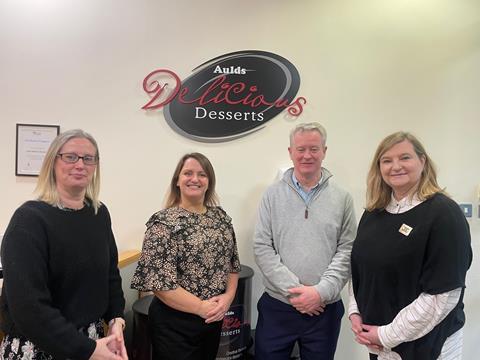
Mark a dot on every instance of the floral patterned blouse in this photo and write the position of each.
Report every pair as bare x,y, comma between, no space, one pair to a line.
194,251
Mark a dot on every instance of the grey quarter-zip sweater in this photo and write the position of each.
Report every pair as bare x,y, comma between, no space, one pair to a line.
298,243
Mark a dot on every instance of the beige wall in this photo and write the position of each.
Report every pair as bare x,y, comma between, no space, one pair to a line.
368,68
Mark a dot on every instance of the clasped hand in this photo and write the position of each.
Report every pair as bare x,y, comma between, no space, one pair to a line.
365,334
111,347
306,300
215,308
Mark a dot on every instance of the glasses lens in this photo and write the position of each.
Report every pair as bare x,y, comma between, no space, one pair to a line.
69,158
90,160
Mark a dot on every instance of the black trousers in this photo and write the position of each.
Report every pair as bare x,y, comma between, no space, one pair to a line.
177,335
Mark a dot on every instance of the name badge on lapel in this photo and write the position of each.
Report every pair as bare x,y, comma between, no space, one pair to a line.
405,229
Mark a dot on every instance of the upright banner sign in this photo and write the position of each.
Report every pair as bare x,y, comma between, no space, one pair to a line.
227,97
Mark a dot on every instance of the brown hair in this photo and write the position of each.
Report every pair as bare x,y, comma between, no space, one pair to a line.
379,193
174,196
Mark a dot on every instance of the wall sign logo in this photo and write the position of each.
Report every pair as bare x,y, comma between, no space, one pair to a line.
227,97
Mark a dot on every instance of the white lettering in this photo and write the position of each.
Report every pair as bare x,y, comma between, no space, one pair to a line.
230,70
202,113
196,112
230,332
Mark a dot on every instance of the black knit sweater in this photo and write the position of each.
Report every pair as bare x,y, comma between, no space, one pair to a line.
60,274
391,268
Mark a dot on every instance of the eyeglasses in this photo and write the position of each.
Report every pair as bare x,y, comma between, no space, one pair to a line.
72,158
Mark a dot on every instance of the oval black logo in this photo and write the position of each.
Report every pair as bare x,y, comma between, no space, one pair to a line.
234,95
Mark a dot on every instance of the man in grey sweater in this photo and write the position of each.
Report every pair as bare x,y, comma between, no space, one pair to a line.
302,244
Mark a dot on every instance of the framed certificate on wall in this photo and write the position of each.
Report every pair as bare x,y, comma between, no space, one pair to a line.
32,144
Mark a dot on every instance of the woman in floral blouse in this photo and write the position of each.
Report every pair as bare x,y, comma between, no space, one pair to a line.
190,261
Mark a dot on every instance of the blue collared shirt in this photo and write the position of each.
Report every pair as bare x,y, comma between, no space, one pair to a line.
306,195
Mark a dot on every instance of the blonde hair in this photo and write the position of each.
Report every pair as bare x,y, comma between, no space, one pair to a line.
46,188
313,126
174,195
379,193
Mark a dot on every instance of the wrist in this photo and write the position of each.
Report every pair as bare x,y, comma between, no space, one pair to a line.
117,320
353,315
198,310
230,295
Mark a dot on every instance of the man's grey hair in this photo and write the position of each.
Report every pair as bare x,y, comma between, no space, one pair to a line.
313,126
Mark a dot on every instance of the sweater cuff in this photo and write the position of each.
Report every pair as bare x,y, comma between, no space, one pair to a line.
387,342
352,309
325,291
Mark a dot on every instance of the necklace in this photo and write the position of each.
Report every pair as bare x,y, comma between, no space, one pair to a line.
62,206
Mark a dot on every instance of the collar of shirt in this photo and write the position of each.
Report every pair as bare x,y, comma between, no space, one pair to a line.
400,206
306,195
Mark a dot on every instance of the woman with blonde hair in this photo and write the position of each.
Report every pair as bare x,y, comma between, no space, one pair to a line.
409,259
59,257
190,261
